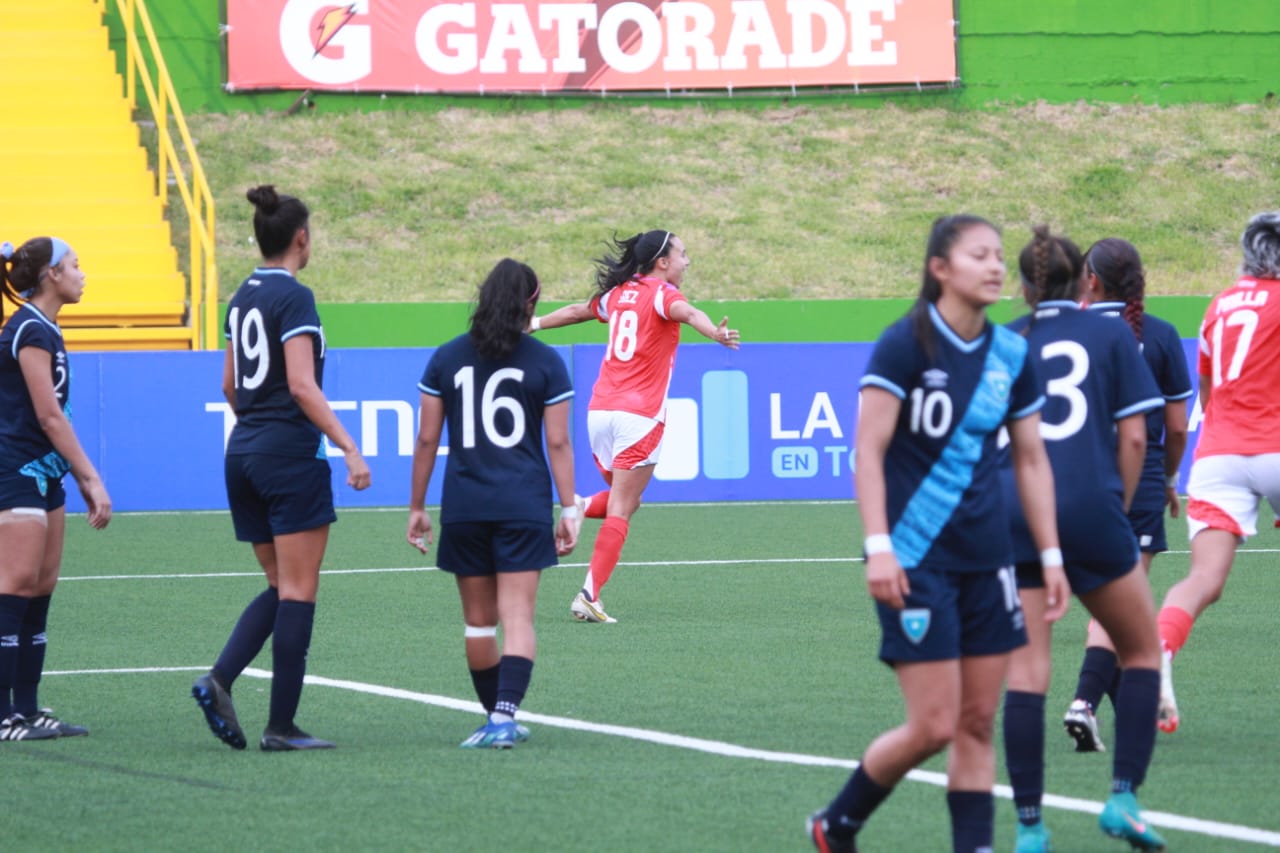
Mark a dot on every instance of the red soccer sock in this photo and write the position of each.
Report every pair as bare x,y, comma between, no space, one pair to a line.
1175,626
608,550
598,505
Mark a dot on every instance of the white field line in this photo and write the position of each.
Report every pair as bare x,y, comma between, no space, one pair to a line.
652,563
1165,820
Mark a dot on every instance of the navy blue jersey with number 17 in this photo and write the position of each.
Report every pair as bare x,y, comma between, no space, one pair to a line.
1094,377
496,469
271,307
945,506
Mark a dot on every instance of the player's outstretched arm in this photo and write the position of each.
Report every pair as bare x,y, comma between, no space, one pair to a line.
569,315
683,312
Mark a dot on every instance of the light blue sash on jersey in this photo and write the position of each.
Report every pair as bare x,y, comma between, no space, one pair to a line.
935,500
51,466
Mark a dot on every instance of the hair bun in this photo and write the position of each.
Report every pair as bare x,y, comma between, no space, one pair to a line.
264,198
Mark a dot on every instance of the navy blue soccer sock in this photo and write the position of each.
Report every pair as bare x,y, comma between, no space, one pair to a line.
485,682
31,648
1137,703
12,609
859,797
248,637
514,673
1024,752
289,660
973,820
1098,673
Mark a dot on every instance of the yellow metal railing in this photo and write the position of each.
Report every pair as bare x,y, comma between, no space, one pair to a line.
193,188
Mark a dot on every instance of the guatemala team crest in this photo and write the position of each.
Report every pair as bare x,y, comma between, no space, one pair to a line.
915,623
1000,383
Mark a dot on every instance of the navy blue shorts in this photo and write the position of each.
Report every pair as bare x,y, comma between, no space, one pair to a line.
484,548
1083,575
23,490
951,615
1148,526
274,495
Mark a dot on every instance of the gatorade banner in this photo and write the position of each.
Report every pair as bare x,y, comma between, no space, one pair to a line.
478,46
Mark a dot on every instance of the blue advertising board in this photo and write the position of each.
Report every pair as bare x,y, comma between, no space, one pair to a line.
767,422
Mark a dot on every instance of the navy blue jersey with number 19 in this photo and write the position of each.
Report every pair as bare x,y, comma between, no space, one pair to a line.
945,507
271,307
496,469
1094,376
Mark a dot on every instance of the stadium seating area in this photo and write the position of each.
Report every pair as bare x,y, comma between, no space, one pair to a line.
74,166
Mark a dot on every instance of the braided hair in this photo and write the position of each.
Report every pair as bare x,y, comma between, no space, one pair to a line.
1118,267
1050,267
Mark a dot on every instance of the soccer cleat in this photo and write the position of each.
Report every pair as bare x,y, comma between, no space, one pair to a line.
292,740
1122,819
1082,725
1167,718
16,727
44,719
815,826
495,736
522,733
1032,839
215,701
586,610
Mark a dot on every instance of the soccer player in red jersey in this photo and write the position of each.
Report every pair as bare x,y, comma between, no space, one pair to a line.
1237,461
638,295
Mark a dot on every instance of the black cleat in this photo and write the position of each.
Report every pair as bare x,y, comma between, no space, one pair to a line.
291,740
816,828
215,701
16,727
44,719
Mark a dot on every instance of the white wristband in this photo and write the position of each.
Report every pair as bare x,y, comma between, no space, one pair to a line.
879,543
535,324
1051,557
569,512
1171,481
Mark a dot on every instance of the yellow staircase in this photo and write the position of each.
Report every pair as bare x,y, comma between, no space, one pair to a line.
74,167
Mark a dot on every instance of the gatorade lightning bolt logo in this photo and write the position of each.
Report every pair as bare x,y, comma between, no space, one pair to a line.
330,23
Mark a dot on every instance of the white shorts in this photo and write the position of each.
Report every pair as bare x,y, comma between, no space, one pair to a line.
624,440
1224,493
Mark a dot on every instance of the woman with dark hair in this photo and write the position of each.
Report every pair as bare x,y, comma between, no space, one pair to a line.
1237,461
38,447
277,471
1094,428
497,389
1115,286
940,384
638,295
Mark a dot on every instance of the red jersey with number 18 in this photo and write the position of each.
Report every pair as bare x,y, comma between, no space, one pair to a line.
1240,354
636,371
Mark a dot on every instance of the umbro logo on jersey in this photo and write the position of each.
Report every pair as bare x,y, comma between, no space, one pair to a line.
935,378
915,623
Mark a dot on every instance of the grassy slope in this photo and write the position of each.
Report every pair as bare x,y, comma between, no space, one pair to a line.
824,200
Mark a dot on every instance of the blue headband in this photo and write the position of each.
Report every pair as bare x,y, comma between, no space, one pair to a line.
60,249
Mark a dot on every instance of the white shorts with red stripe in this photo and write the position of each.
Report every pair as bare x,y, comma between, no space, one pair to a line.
1224,493
624,440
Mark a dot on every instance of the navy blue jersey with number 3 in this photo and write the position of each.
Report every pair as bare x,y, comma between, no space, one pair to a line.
496,469
271,307
945,507
1094,376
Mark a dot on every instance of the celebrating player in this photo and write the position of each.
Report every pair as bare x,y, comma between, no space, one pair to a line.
497,388
1094,427
1115,285
638,295
1237,461
37,448
939,385
277,473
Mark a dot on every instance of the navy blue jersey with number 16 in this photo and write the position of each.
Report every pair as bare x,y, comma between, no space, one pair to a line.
945,507
271,307
496,469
